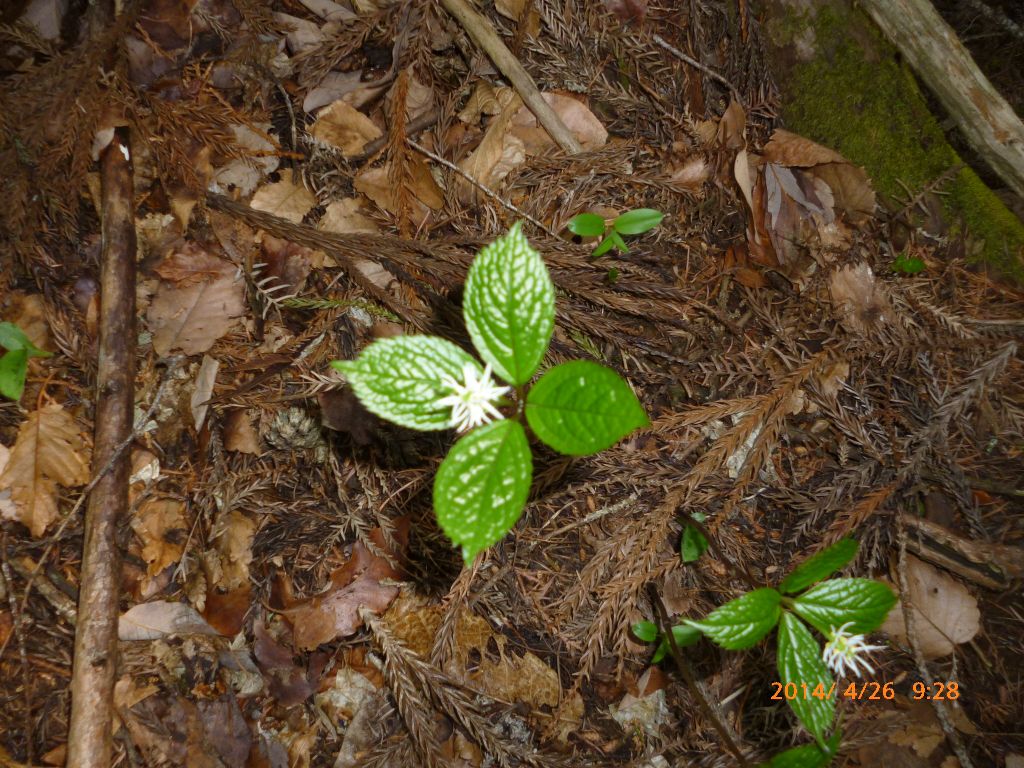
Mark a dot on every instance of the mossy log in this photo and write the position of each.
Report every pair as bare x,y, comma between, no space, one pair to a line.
939,58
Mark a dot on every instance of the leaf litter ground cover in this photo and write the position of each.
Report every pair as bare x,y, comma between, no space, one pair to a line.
314,180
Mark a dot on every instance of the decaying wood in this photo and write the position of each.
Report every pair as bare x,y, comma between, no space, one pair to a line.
483,34
990,565
943,63
92,684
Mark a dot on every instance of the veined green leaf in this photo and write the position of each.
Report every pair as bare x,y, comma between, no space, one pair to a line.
637,222
509,306
693,544
742,622
586,225
401,379
12,338
580,407
833,603
482,485
13,366
799,662
819,566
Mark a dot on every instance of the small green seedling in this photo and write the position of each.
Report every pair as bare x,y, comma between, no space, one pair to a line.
14,363
693,543
844,611
907,264
428,383
630,223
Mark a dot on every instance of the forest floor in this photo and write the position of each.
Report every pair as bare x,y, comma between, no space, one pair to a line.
312,175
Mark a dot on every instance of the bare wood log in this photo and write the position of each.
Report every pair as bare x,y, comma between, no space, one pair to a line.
945,66
92,682
483,34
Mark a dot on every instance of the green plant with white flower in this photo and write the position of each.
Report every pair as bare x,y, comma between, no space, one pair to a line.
429,383
634,222
842,610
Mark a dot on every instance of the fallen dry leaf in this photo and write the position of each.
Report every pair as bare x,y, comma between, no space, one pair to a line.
343,85
376,185
28,312
239,434
485,100
945,612
497,154
345,216
577,117
345,128
160,618
858,299
160,525
200,399
196,311
286,198
286,681
357,584
244,174
48,451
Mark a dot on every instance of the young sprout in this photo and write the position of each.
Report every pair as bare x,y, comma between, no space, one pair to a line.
634,222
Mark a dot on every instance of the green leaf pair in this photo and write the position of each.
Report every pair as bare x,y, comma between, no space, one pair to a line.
14,363
634,222
428,383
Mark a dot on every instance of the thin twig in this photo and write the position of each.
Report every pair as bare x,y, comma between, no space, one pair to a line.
665,628
694,63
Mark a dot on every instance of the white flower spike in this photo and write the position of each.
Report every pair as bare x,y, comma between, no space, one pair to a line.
844,651
472,401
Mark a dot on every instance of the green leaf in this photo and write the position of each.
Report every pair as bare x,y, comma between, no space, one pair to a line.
683,635
509,306
482,485
742,622
819,566
618,242
908,265
864,602
13,366
400,379
586,225
646,631
12,338
604,246
693,544
805,756
637,222
580,407
799,662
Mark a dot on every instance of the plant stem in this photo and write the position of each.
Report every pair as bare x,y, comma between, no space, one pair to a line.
691,682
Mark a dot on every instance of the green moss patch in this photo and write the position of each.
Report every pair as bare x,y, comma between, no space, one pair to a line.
856,97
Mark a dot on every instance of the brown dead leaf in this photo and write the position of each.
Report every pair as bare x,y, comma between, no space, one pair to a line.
858,299
945,612
576,115
485,100
628,10
376,185
732,127
286,198
345,216
345,128
28,312
239,434
200,400
286,681
498,153
343,85
192,314
244,174
160,618
190,264
48,451
160,525
355,585
233,534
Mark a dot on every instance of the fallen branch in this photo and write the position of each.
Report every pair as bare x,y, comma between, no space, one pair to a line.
483,34
939,58
95,662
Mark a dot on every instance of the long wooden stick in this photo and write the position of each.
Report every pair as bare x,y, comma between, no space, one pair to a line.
92,680
941,61
483,34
